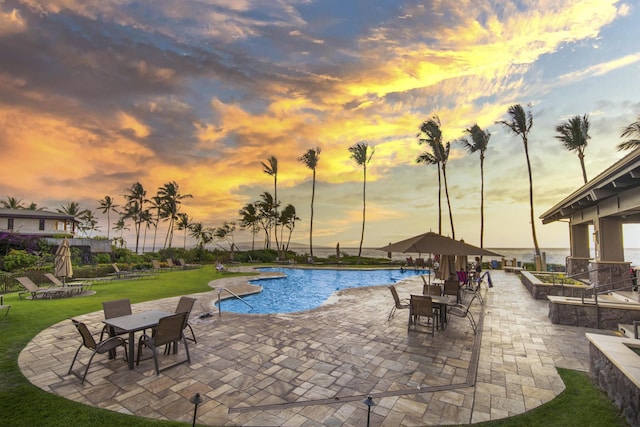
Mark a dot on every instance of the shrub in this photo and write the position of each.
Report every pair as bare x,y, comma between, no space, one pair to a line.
17,259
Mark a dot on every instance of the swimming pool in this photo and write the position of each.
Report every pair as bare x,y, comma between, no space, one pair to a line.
304,289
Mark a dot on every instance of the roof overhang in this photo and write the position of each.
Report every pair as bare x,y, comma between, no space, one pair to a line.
621,176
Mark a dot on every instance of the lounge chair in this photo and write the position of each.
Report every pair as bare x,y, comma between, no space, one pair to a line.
169,331
419,306
3,306
170,263
186,266
78,287
398,305
108,345
39,292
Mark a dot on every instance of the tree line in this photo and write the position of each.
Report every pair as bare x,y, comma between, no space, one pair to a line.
265,214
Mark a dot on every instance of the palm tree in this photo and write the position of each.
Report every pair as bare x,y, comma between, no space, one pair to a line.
120,226
361,154
311,159
136,198
12,203
107,205
632,132
479,142
34,207
184,223
88,223
225,233
520,123
147,219
171,199
201,234
156,204
288,219
271,168
249,219
574,134
265,216
73,209
431,134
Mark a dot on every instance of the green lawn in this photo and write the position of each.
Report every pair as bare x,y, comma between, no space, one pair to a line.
22,404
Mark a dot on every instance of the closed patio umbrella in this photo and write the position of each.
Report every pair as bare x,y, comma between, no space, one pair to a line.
447,267
64,268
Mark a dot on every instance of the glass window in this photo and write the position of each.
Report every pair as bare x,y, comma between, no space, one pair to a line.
10,224
41,224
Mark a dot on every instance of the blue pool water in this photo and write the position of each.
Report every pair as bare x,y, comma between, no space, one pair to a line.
304,289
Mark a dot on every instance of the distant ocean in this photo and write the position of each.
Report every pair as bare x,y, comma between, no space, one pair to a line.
553,255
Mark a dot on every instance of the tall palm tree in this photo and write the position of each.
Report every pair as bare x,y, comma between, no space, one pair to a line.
361,154
478,143
136,198
310,159
12,203
156,205
632,132
520,124
171,200
271,168
34,207
184,223
108,205
147,219
574,135
249,219
431,134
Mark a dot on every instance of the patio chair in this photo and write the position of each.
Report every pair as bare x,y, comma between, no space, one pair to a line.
37,291
399,305
4,307
101,347
452,287
462,310
115,308
432,290
421,305
474,290
170,263
185,305
169,331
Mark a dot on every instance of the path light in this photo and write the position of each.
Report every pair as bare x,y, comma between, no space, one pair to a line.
196,400
369,402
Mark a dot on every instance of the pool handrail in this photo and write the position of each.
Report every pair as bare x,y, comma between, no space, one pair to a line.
232,293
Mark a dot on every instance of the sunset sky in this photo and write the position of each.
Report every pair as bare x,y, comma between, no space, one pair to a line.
96,95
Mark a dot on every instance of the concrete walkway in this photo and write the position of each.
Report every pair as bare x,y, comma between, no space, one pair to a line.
315,368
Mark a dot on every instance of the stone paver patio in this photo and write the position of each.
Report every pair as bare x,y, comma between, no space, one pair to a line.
315,368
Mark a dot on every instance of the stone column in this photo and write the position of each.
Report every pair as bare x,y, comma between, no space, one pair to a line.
577,262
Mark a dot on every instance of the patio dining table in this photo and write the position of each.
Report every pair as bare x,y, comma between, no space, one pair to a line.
443,302
133,323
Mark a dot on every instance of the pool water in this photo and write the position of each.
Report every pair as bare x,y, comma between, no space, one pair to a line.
304,289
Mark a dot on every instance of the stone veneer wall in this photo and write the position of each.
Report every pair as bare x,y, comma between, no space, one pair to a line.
624,393
589,316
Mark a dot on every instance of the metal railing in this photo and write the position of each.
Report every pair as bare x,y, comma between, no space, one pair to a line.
232,293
